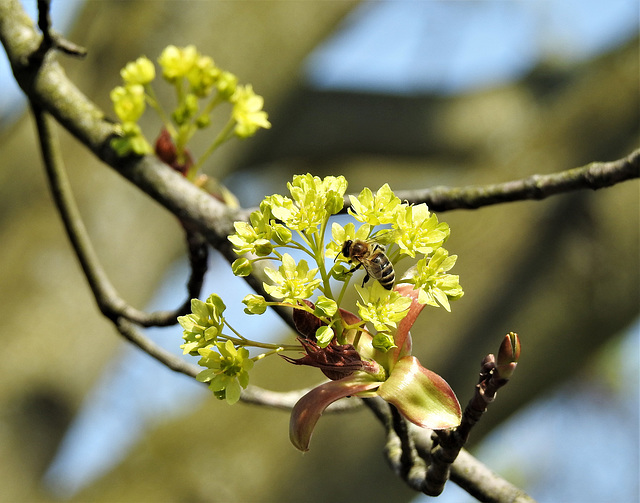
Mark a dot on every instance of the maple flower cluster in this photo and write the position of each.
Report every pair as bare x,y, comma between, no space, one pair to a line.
200,86
406,231
364,353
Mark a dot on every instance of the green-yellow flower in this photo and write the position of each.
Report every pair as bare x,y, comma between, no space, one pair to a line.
384,309
176,62
203,326
416,230
437,287
247,112
254,237
203,75
130,139
324,195
227,370
314,200
141,71
378,209
128,102
292,281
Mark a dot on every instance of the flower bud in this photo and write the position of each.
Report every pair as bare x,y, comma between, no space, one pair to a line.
281,234
241,267
383,341
324,335
140,71
255,304
508,355
128,102
263,247
203,121
177,61
226,84
325,306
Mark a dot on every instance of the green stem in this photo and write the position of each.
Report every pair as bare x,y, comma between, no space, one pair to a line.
215,101
326,277
343,290
223,136
185,132
268,353
356,339
244,342
194,121
307,242
155,104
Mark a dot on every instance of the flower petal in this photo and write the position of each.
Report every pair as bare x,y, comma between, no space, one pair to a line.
422,396
307,411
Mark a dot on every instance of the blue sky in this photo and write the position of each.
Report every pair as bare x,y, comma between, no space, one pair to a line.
450,47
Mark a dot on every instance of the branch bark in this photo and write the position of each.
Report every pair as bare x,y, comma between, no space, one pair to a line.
107,298
595,175
412,464
51,92
46,85
426,459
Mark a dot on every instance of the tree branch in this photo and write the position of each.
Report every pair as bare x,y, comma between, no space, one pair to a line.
410,451
285,400
426,459
466,471
109,301
51,39
595,175
47,85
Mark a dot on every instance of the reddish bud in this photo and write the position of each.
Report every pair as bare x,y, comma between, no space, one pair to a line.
508,355
307,323
167,153
336,361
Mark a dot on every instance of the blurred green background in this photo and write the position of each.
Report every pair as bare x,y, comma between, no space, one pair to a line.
564,272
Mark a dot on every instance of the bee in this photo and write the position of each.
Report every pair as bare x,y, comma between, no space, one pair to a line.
371,257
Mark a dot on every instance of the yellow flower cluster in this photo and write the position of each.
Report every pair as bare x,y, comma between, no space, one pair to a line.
200,86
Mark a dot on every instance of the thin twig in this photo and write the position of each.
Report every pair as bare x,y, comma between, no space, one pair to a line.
399,448
285,400
447,444
596,175
47,85
52,39
426,459
109,301
174,362
106,296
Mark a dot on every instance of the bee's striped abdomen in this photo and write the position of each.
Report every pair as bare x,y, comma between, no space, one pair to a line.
384,269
